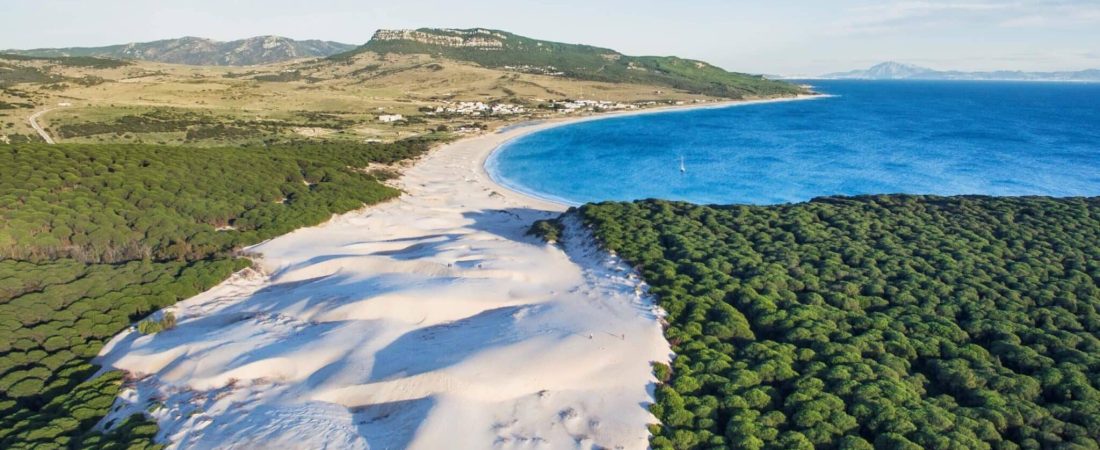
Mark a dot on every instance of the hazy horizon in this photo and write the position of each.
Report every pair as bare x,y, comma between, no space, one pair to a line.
788,37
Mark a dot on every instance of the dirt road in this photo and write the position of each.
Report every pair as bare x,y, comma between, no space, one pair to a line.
33,119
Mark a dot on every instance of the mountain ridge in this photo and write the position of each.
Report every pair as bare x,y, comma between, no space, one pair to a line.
897,71
204,52
501,49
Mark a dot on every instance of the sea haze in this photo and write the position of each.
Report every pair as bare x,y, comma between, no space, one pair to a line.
872,137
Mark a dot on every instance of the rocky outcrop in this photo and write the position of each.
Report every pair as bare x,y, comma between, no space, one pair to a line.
478,38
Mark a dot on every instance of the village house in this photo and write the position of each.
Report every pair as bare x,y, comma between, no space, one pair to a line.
469,108
590,105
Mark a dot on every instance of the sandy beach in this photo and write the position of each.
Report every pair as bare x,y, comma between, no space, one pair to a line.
427,322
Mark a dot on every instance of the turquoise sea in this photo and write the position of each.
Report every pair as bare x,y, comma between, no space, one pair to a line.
870,137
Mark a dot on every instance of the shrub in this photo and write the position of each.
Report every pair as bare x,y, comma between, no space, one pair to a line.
154,326
547,230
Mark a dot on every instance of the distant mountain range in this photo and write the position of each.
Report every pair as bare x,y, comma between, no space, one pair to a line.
898,71
502,50
207,52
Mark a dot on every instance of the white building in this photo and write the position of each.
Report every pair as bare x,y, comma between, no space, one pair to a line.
480,108
590,105
389,118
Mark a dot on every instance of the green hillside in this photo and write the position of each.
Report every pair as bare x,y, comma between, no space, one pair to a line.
887,322
499,49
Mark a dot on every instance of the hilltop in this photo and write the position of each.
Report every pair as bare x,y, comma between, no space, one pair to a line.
205,52
503,50
899,71
884,71
420,85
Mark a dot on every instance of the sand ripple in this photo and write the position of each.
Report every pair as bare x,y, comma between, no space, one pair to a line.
429,322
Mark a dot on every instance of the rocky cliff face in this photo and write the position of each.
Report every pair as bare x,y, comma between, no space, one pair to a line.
507,51
477,38
200,51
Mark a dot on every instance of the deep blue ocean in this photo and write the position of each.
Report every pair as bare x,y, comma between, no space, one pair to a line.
871,137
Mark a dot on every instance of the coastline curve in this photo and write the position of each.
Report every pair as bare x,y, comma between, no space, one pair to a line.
512,133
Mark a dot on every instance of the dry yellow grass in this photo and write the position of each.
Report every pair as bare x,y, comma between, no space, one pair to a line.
355,91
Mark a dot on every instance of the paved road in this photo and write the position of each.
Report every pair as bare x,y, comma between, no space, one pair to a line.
33,119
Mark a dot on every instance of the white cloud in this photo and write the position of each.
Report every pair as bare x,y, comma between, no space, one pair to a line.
910,15
1053,14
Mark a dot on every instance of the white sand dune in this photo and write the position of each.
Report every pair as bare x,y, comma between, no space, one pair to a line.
429,322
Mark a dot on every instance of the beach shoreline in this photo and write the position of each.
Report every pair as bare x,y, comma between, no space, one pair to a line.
507,134
430,321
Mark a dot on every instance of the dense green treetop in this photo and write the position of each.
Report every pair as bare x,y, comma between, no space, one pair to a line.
872,322
125,202
94,237
55,317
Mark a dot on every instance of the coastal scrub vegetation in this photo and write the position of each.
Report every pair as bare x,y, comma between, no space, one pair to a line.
890,322
14,70
55,317
198,126
95,237
109,204
549,230
71,61
154,326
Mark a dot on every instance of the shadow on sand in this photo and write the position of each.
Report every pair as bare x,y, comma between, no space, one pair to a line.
274,322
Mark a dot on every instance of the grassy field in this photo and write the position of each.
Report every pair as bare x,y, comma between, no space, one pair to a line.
311,99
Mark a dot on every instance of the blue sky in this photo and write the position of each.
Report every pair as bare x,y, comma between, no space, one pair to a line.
779,36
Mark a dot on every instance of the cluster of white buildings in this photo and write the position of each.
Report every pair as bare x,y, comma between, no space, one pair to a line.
390,118
465,129
481,108
598,105
526,68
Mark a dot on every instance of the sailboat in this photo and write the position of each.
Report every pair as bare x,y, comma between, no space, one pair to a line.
682,168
